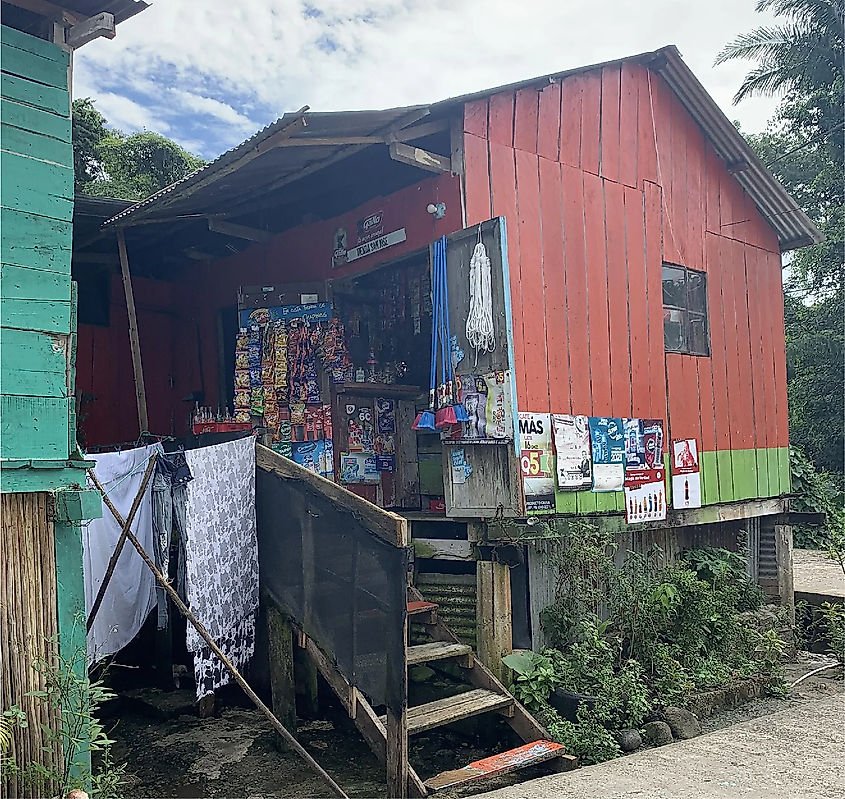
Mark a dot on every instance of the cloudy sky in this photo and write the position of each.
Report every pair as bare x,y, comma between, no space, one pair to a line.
209,73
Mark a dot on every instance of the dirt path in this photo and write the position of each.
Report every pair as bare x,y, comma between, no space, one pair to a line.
796,753
234,755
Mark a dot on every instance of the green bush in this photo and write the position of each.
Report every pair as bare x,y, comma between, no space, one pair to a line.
640,636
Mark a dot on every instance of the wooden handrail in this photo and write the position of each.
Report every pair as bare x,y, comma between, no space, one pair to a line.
389,526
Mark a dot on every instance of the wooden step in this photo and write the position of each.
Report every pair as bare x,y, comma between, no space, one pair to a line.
438,650
421,607
454,708
523,756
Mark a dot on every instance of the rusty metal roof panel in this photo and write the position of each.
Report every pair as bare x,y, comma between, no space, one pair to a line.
257,164
223,178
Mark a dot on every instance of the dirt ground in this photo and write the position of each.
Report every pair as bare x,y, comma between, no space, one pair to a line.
234,754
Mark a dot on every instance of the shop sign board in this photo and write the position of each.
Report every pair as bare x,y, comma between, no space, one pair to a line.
310,312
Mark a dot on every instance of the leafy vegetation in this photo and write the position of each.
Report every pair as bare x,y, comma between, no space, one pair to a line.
816,492
110,163
640,636
75,700
803,146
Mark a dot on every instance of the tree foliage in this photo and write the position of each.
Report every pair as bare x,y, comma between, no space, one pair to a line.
803,147
802,54
110,163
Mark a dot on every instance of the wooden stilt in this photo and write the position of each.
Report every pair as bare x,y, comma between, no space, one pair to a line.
123,533
134,341
493,615
204,634
280,636
783,557
305,677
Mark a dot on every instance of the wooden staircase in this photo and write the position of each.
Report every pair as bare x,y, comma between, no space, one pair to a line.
487,695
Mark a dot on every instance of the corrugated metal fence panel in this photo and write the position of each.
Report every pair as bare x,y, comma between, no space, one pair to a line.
27,620
455,595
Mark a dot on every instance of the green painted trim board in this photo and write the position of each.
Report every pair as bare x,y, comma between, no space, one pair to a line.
22,90
32,44
35,241
20,481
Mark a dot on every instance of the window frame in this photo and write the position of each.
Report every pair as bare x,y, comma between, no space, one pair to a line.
687,314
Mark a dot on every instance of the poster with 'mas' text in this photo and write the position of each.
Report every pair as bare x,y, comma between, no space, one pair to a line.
536,461
572,451
686,477
608,444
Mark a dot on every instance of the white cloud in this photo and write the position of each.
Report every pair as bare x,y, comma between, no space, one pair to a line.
126,114
213,108
244,64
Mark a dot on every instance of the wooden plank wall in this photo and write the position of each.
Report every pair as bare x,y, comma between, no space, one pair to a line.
170,352
36,309
27,621
602,177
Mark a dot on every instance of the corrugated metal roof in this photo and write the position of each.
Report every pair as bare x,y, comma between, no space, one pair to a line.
257,166
30,21
260,165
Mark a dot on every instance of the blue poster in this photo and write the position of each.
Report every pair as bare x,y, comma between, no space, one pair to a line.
607,437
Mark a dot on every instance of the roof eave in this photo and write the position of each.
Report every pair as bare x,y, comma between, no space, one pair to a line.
793,227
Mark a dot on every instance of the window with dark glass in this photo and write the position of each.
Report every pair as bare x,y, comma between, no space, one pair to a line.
685,327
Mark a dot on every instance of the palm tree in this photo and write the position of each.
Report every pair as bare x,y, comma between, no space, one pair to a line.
805,53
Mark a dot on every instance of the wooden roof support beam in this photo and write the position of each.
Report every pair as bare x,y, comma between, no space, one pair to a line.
426,129
134,340
330,141
216,225
100,25
423,159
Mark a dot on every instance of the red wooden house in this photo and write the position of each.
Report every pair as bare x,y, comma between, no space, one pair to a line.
636,245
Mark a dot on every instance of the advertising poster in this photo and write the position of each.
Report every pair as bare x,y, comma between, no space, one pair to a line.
487,400
536,461
686,478
645,502
316,456
358,467
645,477
572,448
384,445
607,438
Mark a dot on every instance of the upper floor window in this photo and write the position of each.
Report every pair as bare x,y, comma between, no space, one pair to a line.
685,327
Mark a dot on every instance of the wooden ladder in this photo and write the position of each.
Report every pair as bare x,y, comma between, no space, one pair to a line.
488,695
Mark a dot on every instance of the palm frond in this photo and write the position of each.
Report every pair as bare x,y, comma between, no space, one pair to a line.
762,42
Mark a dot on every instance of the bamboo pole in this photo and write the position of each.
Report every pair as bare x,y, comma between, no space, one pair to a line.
204,634
134,341
136,503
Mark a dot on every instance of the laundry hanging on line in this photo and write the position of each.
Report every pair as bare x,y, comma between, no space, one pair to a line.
131,593
222,557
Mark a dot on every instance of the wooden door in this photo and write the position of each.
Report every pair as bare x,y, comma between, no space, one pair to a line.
493,485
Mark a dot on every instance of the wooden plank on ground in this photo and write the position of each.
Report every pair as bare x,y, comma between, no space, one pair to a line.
529,754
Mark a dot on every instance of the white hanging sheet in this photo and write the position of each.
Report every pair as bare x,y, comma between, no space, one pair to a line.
222,556
130,595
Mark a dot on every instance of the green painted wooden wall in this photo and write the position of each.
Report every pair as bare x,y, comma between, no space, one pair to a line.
37,306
